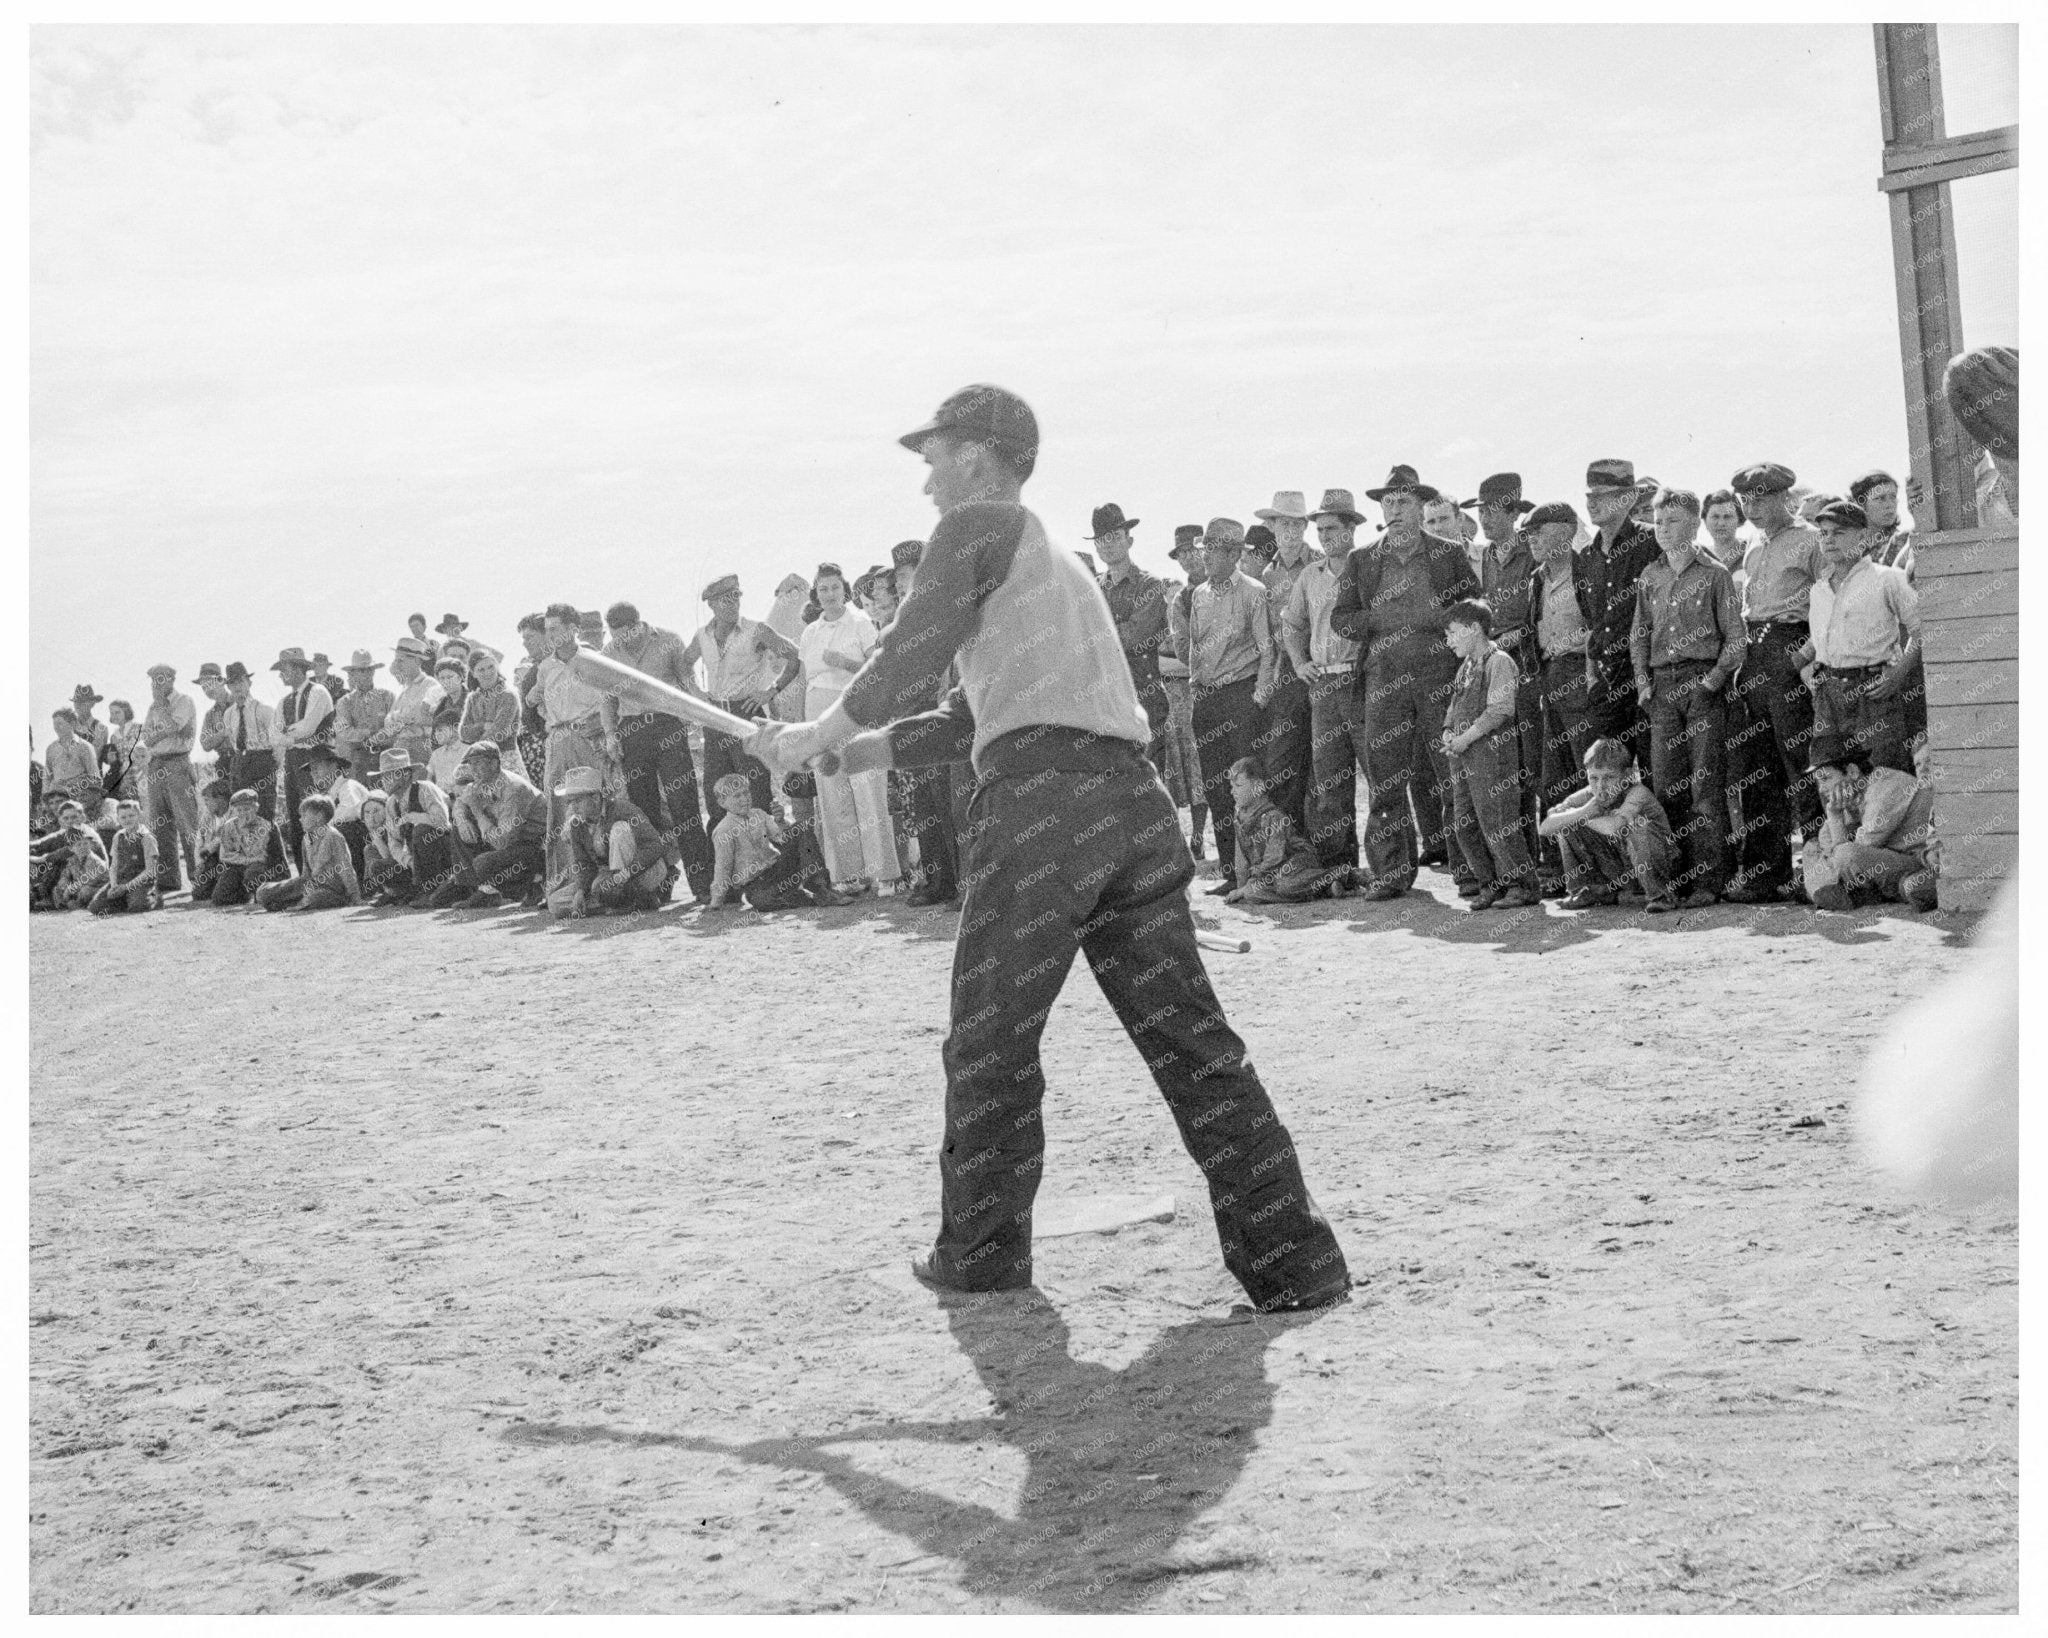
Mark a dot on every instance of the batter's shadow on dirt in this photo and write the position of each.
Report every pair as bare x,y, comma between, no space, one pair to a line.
1525,931
1119,1463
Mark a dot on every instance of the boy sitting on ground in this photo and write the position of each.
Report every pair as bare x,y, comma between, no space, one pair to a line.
329,881
1275,864
1872,845
756,858
1613,833
250,851
384,857
131,876
69,865
213,803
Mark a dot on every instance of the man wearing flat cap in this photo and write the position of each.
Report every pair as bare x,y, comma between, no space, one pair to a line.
1863,642
1286,740
653,747
501,829
1776,708
1328,664
1137,603
1611,564
1075,852
1392,604
747,663
1226,642
1507,565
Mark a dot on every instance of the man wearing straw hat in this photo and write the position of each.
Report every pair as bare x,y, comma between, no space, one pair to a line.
1285,738
1328,664
359,714
305,719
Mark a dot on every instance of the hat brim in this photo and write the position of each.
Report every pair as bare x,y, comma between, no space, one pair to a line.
1519,506
1268,515
339,758
1421,491
915,441
1128,523
568,795
1352,518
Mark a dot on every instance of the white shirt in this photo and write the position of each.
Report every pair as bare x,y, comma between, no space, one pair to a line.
347,796
852,634
741,666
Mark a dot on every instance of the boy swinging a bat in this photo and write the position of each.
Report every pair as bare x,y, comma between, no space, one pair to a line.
1071,844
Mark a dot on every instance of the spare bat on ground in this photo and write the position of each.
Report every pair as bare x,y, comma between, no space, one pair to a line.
1223,941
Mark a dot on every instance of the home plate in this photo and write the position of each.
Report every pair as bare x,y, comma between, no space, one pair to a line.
1053,1219
1098,1214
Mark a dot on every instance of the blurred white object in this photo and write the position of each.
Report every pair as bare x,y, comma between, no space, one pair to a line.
1940,1105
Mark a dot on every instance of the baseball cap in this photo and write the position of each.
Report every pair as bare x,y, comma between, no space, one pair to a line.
987,414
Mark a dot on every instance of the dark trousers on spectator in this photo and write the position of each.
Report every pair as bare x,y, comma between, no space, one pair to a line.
298,784
1842,707
256,771
357,835
1529,748
1105,878
723,755
174,816
238,883
928,793
1226,722
661,781
509,870
1284,746
434,865
1486,809
107,902
1688,771
295,894
780,884
1404,695
1337,746
1779,713
1567,734
1612,704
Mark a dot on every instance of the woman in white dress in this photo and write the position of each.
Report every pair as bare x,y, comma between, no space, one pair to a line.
853,809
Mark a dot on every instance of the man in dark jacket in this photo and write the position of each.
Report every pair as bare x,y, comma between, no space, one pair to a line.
1560,629
1392,602
1610,565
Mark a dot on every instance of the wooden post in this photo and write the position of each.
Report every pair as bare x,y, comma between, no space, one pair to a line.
1924,263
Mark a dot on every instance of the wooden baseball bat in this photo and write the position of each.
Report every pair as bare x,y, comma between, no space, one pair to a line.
644,693
1223,941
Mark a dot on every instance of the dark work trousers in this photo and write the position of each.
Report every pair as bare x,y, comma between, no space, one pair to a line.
434,864
1283,746
723,755
1780,716
1226,722
1613,706
510,869
1639,858
1755,780
256,771
238,883
1404,693
661,781
1689,771
1337,745
1567,734
1060,860
928,793
1843,707
298,784
1486,811
780,883
357,835
1529,743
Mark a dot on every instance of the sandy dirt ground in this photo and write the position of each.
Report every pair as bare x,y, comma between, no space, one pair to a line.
465,1262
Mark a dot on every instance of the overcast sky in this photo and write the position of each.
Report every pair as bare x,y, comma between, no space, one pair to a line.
331,325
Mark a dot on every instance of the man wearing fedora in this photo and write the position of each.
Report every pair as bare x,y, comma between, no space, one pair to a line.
1507,569
90,728
1182,768
213,736
360,713
1611,564
409,724
1392,603
747,664
1285,739
168,729
450,627
322,671
1226,641
1328,664
254,740
305,719
1137,603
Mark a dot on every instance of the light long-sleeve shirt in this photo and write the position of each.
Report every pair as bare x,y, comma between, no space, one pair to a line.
1864,621
250,725
1307,614
1228,634
328,864
498,812
564,700
1892,810
1781,570
245,840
